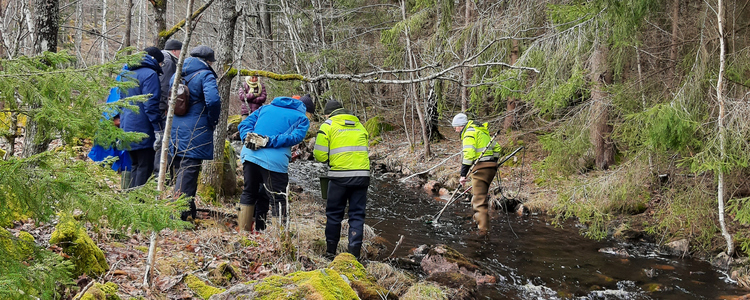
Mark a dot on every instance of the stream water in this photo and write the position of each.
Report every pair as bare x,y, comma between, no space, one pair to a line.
531,258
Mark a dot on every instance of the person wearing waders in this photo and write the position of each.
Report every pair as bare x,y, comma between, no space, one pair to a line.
475,139
343,143
269,134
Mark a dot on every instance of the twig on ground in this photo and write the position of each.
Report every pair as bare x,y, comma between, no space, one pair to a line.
400,239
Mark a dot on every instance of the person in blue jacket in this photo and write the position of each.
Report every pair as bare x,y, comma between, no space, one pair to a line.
269,134
148,118
192,136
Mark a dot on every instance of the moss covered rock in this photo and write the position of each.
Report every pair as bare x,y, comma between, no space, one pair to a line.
20,248
107,291
365,284
200,288
323,284
80,248
222,275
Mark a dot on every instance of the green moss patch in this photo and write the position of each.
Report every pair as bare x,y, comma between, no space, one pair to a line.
362,282
80,248
107,291
200,288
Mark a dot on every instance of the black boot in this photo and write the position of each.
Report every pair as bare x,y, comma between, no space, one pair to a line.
331,250
355,250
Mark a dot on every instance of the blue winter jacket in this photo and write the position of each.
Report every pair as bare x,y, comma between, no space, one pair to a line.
284,122
148,117
192,135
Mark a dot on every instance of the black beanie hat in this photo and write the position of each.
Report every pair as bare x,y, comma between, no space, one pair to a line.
307,100
155,53
331,106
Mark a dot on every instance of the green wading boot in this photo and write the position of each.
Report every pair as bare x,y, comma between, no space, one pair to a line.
245,218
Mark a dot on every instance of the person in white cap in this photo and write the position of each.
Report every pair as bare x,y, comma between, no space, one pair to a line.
475,139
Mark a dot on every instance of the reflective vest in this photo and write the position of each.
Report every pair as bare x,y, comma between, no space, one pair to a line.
475,139
343,142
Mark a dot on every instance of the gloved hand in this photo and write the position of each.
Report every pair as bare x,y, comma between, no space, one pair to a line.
462,181
254,141
158,135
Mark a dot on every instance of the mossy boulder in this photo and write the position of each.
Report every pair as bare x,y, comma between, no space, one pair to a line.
323,284
228,178
223,274
107,291
20,247
79,247
362,282
200,288
13,208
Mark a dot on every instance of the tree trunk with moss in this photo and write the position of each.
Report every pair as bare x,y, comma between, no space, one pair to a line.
214,170
160,19
601,130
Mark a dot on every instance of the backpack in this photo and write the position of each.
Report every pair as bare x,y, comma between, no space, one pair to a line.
182,99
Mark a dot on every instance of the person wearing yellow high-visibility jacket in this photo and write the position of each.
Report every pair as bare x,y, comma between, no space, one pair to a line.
477,146
343,143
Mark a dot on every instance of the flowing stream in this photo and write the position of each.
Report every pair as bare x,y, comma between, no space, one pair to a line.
531,258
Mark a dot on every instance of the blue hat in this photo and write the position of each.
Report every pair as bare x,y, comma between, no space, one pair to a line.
203,52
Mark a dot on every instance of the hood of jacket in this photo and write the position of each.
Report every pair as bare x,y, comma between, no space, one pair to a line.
146,62
194,64
289,102
481,128
341,115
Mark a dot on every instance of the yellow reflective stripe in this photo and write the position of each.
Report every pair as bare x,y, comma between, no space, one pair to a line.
467,161
347,149
486,158
329,122
348,173
321,148
470,147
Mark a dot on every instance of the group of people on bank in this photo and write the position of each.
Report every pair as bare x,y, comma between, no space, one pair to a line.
268,133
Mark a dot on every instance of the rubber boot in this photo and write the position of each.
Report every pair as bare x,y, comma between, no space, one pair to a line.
245,218
483,220
355,250
331,250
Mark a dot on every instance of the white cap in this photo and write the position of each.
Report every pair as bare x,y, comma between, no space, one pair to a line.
460,120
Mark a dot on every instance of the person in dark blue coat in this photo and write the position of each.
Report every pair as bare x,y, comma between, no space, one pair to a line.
148,118
192,136
281,125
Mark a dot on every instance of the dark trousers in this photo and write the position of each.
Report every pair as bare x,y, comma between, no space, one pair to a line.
261,186
143,166
187,181
341,192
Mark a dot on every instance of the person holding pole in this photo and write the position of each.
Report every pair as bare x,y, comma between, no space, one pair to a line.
480,156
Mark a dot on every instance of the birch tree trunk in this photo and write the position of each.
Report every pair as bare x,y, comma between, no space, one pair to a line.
46,27
601,131
722,128
167,134
79,33
104,32
213,175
